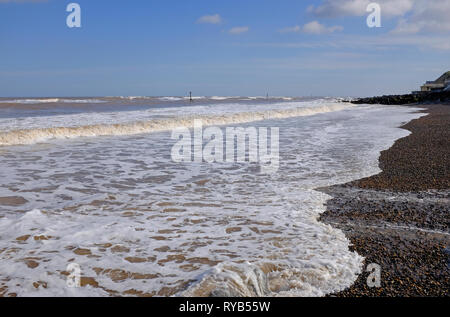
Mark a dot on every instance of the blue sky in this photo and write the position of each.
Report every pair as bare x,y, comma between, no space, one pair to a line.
221,47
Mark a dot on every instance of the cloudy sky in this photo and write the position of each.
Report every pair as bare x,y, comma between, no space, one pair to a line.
221,47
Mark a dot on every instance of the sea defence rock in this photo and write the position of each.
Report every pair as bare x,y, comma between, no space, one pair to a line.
433,97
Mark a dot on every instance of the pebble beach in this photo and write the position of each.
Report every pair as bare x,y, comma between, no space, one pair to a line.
399,219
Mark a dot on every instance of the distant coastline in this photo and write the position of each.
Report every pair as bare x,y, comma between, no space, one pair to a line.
435,91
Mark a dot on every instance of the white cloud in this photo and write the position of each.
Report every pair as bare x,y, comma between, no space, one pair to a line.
339,8
415,16
380,43
210,19
432,16
425,42
239,30
294,29
315,27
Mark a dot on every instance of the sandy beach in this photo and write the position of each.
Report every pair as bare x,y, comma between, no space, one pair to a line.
399,219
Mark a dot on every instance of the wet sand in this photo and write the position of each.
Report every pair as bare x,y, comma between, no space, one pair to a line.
400,219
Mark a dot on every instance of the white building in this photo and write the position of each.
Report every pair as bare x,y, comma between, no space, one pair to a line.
440,84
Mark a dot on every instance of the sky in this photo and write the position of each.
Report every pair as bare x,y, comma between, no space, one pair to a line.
221,47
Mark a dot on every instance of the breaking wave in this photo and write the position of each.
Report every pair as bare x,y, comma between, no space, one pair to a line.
30,136
51,100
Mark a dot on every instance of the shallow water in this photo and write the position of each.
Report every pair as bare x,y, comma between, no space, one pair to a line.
138,223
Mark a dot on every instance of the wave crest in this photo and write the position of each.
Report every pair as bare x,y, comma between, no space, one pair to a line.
31,136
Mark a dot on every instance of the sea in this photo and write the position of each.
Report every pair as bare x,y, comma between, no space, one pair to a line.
92,202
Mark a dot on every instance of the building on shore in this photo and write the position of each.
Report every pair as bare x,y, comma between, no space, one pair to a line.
440,84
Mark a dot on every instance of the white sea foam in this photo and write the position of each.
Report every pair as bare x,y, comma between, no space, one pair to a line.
195,98
139,224
33,135
170,98
51,100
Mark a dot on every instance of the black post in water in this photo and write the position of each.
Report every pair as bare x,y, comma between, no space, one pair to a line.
190,96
